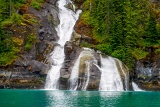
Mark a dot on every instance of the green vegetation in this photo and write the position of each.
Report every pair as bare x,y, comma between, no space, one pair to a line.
9,47
13,14
36,4
123,29
15,19
30,41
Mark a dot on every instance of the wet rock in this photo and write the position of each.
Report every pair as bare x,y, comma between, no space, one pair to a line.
71,53
51,13
64,82
88,72
124,73
94,76
71,7
76,38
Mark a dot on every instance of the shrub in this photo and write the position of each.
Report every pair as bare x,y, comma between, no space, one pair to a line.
16,18
36,4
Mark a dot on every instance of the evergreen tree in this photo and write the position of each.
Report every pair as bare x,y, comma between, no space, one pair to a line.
151,34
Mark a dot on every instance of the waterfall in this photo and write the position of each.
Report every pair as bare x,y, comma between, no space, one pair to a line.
126,75
135,87
64,30
110,77
73,80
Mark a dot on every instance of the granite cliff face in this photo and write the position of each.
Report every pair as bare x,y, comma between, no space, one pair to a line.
147,73
30,68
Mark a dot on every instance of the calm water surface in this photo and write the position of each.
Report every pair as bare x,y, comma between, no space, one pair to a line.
50,98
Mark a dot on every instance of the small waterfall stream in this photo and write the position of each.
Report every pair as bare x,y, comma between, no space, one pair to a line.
73,80
67,21
135,87
110,77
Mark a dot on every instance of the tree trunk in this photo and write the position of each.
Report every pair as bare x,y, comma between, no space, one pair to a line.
90,6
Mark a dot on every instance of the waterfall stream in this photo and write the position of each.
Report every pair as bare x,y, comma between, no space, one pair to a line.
67,21
75,71
135,87
110,77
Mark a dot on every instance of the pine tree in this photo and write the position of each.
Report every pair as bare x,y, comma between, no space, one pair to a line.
151,34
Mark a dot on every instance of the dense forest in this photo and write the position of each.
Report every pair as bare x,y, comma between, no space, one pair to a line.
125,29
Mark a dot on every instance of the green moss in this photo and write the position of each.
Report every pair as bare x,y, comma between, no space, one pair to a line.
33,20
7,23
35,5
30,41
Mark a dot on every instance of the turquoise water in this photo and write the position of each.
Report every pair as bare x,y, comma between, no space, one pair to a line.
48,98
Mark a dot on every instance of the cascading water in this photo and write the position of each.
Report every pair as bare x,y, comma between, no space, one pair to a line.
110,77
135,87
67,21
126,74
73,80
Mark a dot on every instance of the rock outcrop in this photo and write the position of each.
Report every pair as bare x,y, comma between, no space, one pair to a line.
87,65
147,74
31,67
